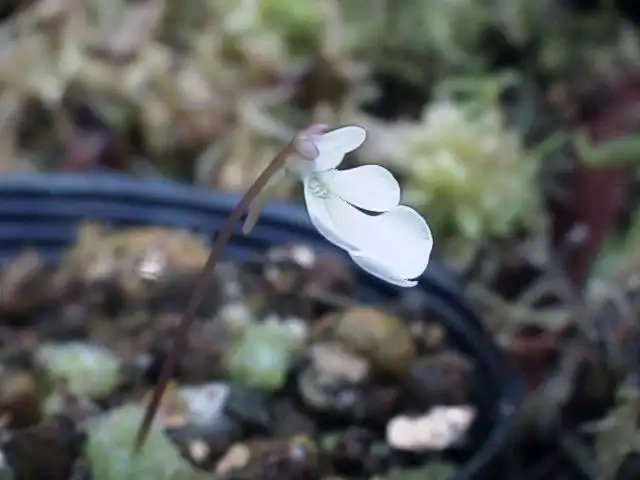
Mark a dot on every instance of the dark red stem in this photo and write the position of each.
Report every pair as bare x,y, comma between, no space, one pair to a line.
200,289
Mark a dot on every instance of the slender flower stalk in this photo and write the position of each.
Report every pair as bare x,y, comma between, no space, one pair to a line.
256,206
392,243
199,292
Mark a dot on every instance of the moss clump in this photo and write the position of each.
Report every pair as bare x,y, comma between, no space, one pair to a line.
90,370
110,447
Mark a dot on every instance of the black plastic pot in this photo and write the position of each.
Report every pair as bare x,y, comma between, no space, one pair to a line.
43,211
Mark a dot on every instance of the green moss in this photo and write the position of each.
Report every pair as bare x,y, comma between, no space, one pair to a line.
110,450
300,23
262,356
90,370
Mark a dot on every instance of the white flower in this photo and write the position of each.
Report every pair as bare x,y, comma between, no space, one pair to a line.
393,242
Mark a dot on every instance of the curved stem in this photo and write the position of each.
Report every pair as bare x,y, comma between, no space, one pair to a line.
256,206
200,289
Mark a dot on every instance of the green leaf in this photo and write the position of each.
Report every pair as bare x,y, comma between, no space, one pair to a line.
623,151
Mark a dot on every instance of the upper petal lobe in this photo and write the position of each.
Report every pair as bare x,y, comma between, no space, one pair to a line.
370,187
334,145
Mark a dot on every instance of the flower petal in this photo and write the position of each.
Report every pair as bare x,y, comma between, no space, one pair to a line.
394,246
321,217
370,187
399,240
380,270
334,145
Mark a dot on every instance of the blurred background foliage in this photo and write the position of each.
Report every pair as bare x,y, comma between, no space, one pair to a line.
490,111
